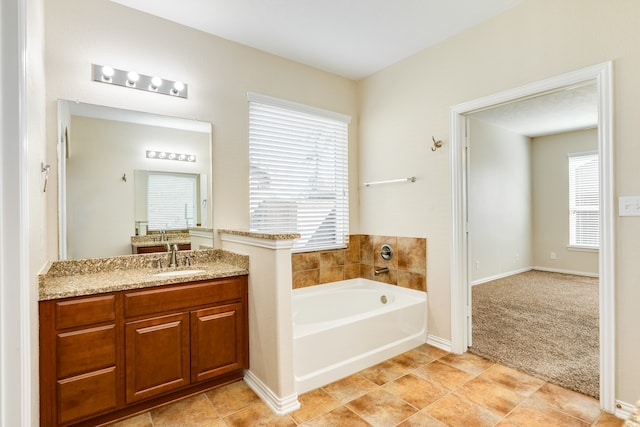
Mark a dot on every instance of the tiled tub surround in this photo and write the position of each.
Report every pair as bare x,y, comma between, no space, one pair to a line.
407,267
62,279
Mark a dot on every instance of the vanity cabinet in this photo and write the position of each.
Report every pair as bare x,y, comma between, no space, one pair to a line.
107,356
159,248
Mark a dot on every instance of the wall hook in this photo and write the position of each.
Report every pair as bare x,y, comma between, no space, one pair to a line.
45,169
124,177
436,144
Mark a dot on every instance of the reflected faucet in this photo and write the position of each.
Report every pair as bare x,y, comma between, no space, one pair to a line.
173,249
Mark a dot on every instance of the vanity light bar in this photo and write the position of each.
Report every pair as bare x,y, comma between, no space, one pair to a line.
151,154
131,79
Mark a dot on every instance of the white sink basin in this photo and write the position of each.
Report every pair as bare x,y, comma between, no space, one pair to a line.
178,273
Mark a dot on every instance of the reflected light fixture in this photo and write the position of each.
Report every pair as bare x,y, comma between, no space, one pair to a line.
177,88
107,74
152,154
156,82
132,79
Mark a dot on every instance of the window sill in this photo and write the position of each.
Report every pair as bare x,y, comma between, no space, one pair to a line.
582,248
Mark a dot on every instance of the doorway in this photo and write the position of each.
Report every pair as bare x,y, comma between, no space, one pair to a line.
461,262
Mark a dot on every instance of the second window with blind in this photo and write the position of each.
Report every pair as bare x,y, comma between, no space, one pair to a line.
584,201
298,179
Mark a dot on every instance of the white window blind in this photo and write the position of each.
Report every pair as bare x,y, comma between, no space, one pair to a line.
298,172
171,200
584,200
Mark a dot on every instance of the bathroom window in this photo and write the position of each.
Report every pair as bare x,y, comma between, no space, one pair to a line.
584,201
171,200
298,171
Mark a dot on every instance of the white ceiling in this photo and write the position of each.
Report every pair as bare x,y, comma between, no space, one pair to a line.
351,38
565,110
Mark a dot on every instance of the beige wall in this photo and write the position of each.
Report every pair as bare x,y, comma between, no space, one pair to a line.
518,198
551,199
500,209
402,106
219,74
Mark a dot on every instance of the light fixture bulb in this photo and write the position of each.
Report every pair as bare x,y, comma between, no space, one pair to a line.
151,154
132,78
107,73
162,155
177,88
182,157
172,156
156,82
191,158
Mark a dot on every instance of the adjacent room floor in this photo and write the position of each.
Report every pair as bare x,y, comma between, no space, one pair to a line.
541,323
425,386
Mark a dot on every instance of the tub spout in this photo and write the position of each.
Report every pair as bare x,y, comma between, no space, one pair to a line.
381,270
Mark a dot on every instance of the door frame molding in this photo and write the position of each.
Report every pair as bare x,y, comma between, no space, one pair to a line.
603,75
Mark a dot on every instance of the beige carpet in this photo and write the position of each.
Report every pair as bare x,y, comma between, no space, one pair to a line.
545,324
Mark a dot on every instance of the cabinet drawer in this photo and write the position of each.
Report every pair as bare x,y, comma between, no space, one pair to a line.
86,395
86,350
85,311
180,297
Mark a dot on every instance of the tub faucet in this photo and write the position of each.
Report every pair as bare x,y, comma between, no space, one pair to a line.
173,249
381,270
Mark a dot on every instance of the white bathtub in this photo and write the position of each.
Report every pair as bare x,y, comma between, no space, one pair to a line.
343,327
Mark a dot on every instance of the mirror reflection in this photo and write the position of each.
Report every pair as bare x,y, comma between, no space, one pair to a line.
125,174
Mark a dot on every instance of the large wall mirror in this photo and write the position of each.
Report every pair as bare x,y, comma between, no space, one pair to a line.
123,173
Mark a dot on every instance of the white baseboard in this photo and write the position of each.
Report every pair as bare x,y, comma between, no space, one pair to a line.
624,410
524,270
441,343
559,270
500,276
279,405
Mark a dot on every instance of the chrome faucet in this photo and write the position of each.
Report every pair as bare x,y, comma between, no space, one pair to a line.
162,236
173,249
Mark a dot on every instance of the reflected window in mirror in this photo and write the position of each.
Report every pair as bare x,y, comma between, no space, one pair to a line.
172,201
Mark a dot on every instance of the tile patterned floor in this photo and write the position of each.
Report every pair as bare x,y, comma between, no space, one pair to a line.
423,387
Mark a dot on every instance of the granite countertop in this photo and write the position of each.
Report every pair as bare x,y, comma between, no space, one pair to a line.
154,240
260,235
63,279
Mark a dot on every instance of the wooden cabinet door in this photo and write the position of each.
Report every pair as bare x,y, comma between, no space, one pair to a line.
217,341
157,355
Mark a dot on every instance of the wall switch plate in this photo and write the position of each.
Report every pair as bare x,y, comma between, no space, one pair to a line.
628,206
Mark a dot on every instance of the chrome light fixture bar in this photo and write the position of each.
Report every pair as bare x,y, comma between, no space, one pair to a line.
131,79
165,155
